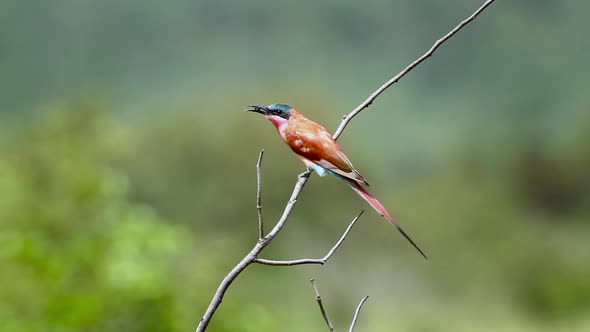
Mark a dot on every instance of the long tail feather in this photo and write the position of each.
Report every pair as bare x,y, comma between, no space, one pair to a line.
364,193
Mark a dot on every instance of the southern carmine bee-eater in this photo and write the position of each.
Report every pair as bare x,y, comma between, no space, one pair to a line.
314,145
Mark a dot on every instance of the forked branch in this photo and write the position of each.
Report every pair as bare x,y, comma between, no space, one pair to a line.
320,261
258,247
264,240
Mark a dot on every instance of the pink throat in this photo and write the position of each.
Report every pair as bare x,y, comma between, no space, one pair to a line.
277,121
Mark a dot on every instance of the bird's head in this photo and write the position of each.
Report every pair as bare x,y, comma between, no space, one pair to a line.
278,114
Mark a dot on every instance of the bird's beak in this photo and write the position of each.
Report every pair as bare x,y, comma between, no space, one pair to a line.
257,108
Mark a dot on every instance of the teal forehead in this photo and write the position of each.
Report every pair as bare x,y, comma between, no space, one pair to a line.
282,107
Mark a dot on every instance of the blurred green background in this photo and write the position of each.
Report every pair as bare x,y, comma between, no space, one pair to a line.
127,178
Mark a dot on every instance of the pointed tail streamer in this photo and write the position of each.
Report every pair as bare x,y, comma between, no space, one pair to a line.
366,195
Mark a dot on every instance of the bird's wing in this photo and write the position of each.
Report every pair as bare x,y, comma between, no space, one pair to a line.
319,147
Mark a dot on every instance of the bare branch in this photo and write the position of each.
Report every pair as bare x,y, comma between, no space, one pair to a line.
249,258
258,196
406,70
356,314
319,299
320,261
325,314
263,241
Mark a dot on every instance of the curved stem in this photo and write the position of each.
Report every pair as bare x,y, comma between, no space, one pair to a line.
249,258
406,70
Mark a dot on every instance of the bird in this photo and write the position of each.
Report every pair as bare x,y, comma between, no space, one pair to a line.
320,152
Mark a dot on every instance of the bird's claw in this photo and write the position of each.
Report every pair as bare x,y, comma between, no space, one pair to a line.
305,174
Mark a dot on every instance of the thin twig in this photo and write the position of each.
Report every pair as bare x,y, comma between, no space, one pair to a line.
320,261
356,314
258,196
264,241
319,299
249,258
406,70
325,314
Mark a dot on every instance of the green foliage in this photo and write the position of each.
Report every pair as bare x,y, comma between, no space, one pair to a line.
77,253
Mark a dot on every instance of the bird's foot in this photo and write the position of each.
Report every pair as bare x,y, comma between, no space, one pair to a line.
305,174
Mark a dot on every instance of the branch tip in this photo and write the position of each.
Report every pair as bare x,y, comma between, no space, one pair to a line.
321,305
356,313
406,70
259,196
260,157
